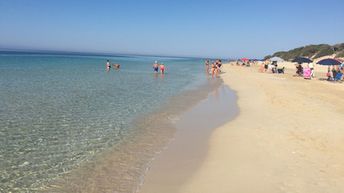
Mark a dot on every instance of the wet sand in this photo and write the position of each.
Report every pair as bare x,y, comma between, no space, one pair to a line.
288,137
186,152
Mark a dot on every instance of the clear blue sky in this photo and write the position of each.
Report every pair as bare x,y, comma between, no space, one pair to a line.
228,28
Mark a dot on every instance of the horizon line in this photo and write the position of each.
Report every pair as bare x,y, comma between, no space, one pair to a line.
61,52
57,52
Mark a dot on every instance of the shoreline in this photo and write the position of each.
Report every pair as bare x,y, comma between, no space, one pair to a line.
288,137
186,152
121,168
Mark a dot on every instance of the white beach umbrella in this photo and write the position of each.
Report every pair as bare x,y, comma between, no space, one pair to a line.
277,59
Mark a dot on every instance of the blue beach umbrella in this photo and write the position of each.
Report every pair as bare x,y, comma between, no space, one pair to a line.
301,60
329,61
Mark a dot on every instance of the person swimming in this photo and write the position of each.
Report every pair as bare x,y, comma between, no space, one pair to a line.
116,66
156,67
162,68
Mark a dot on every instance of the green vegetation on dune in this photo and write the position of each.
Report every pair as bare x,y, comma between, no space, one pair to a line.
311,51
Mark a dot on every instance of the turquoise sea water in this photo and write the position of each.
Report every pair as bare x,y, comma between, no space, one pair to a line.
58,112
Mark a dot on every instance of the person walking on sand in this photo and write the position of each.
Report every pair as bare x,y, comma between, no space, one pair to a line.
156,67
162,68
108,66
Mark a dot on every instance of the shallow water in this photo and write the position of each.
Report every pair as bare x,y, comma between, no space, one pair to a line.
188,149
66,123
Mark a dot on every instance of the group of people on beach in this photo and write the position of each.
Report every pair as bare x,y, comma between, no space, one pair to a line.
270,66
247,63
108,66
305,70
335,73
214,69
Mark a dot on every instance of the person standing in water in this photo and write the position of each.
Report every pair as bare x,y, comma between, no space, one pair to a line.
218,65
162,68
108,66
207,64
156,67
213,69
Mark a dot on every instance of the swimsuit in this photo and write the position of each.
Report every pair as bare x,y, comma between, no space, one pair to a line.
156,69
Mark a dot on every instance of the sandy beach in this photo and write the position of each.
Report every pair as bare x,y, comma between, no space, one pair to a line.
288,137
155,97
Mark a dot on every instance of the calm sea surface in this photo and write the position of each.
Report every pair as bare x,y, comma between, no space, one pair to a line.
59,113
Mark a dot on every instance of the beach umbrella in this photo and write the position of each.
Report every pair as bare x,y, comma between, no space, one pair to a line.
329,61
244,59
301,60
276,59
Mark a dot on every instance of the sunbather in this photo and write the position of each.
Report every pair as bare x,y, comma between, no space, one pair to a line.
299,70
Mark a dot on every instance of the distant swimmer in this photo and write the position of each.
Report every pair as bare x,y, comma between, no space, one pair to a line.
162,68
116,66
156,67
108,66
